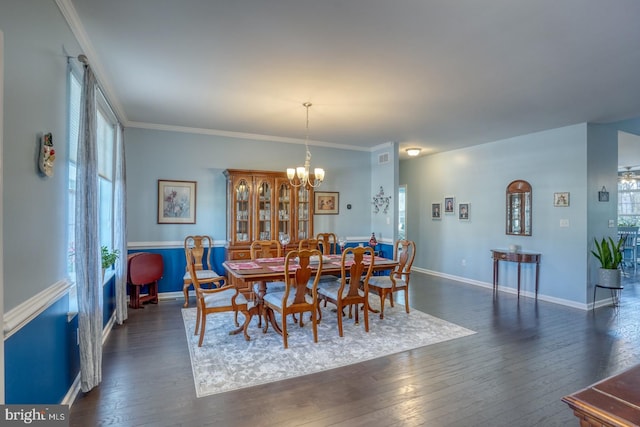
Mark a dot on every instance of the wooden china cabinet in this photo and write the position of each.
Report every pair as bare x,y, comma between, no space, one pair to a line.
262,205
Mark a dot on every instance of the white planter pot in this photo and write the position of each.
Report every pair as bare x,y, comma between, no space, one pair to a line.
609,278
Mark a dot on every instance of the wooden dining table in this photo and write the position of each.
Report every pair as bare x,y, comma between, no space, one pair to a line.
265,270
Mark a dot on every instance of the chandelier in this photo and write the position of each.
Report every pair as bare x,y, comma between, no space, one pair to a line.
628,176
302,172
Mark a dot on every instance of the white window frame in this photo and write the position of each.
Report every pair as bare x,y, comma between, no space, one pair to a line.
106,140
629,202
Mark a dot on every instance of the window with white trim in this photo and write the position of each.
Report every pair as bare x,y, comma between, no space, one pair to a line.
106,140
628,202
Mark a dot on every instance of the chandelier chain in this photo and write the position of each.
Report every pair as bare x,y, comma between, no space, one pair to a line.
303,173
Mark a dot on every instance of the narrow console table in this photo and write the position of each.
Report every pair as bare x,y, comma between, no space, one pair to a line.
614,401
519,257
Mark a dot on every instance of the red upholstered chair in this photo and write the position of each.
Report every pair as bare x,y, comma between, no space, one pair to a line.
143,268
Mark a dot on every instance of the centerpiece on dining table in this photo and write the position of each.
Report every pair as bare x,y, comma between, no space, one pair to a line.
315,259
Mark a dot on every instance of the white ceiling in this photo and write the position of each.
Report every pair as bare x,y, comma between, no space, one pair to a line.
438,74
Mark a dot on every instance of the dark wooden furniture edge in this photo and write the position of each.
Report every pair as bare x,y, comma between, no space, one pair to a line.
614,401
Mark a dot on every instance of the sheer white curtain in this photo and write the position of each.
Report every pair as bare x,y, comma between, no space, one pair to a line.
87,240
120,232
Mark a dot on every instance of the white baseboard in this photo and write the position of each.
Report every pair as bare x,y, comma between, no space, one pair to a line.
527,294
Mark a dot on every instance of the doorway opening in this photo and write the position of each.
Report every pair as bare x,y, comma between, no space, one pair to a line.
402,209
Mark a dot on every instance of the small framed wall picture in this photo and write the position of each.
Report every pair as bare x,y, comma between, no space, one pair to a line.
326,203
176,202
561,200
603,195
463,211
449,203
436,210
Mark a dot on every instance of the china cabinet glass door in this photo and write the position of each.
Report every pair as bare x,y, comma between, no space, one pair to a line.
304,213
264,211
284,210
242,211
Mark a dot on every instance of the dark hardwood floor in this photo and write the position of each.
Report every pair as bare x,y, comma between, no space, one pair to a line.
524,358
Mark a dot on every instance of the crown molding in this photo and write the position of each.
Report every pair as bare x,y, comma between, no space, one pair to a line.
72,18
243,135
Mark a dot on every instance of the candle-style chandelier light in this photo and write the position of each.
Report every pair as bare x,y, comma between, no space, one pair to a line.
302,172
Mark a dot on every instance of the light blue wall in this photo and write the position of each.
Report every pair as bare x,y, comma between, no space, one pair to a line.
41,355
153,155
603,171
552,161
385,175
35,89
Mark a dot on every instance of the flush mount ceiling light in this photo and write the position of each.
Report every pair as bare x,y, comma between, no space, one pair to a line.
302,172
412,152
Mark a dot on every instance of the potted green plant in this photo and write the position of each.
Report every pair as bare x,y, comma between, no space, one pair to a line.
109,257
609,254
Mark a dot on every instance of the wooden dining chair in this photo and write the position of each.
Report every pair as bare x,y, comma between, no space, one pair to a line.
352,289
328,242
404,251
265,249
201,248
308,244
294,298
226,298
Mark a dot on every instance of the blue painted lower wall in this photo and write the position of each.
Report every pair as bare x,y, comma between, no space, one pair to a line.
42,358
108,300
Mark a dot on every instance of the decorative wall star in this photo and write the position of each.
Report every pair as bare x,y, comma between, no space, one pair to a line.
380,201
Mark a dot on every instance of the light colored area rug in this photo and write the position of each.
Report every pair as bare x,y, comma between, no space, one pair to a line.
228,362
